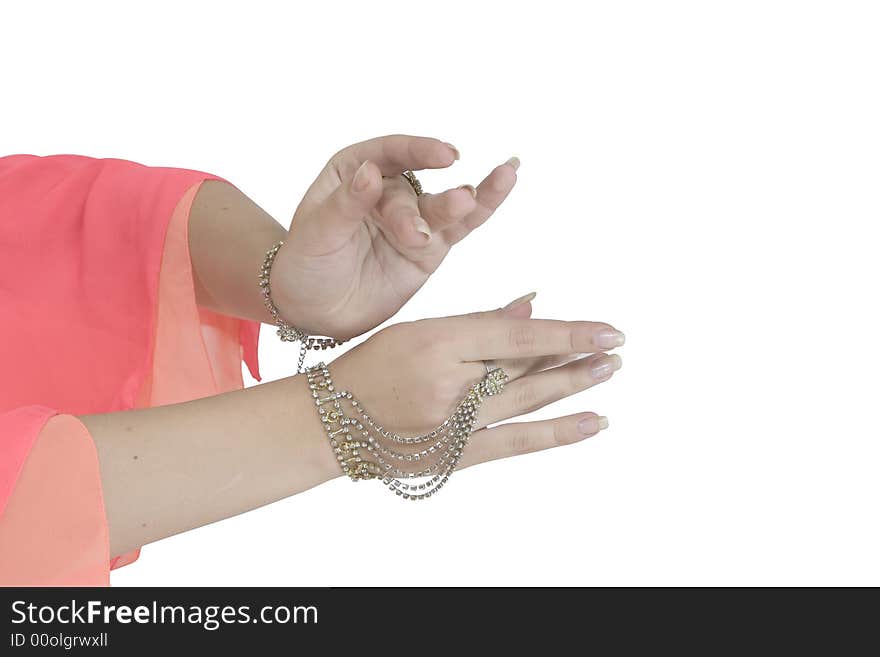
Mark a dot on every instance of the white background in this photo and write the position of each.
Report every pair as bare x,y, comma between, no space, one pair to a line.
702,175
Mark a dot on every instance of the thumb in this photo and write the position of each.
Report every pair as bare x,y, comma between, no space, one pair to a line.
335,220
520,308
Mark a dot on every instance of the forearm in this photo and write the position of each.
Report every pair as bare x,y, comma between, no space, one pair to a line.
169,469
229,235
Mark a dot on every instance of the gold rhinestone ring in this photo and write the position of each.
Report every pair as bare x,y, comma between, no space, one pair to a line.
413,181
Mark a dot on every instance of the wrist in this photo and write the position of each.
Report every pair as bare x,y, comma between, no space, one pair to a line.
304,427
281,283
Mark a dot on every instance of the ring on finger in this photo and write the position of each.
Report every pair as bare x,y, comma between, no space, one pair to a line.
413,182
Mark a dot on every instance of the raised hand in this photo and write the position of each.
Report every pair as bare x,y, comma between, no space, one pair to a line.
361,243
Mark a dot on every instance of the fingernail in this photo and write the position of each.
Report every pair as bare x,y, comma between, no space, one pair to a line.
514,162
590,425
610,338
361,180
605,366
523,299
422,226
454,150
470,188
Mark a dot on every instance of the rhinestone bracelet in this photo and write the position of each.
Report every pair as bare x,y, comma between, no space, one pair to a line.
285,331
357,440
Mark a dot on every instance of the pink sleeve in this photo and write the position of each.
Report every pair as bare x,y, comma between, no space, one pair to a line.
196,352
53,528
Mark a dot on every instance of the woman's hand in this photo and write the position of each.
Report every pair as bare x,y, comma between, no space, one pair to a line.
171,468
361,243
411,376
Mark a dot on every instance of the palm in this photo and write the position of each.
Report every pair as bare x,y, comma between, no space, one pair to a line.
354,257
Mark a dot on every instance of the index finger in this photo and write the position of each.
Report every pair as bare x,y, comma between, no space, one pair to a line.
495,338
394,154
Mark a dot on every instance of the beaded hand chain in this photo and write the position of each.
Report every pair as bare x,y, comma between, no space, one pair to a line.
366,450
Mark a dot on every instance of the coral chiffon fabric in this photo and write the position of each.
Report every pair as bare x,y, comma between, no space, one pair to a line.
97,314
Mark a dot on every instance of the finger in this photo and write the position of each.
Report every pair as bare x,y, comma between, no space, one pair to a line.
447,208
520,367
489,195
521,308
335,220
498,338
397,214
535,391
394,154
517,438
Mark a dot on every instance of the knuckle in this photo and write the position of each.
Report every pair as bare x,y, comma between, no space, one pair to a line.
526,397
419,336
579,376
520,442
560,435
442,334
426,342
521,338
445,205
574,345
433,346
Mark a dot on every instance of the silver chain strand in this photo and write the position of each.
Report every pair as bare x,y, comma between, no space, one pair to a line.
287,332
342,432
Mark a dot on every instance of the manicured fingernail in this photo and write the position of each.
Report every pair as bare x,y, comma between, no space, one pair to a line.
514,162
454,150
605,366
590,425
610,338
469,188
422,226
361,180
523,299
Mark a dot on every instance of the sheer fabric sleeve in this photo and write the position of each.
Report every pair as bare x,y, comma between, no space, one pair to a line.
97,314
53,529
196,352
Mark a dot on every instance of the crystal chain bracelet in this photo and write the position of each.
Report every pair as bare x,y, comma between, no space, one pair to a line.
359,442
285,331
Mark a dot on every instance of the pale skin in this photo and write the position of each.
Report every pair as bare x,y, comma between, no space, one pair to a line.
359,235
169,469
